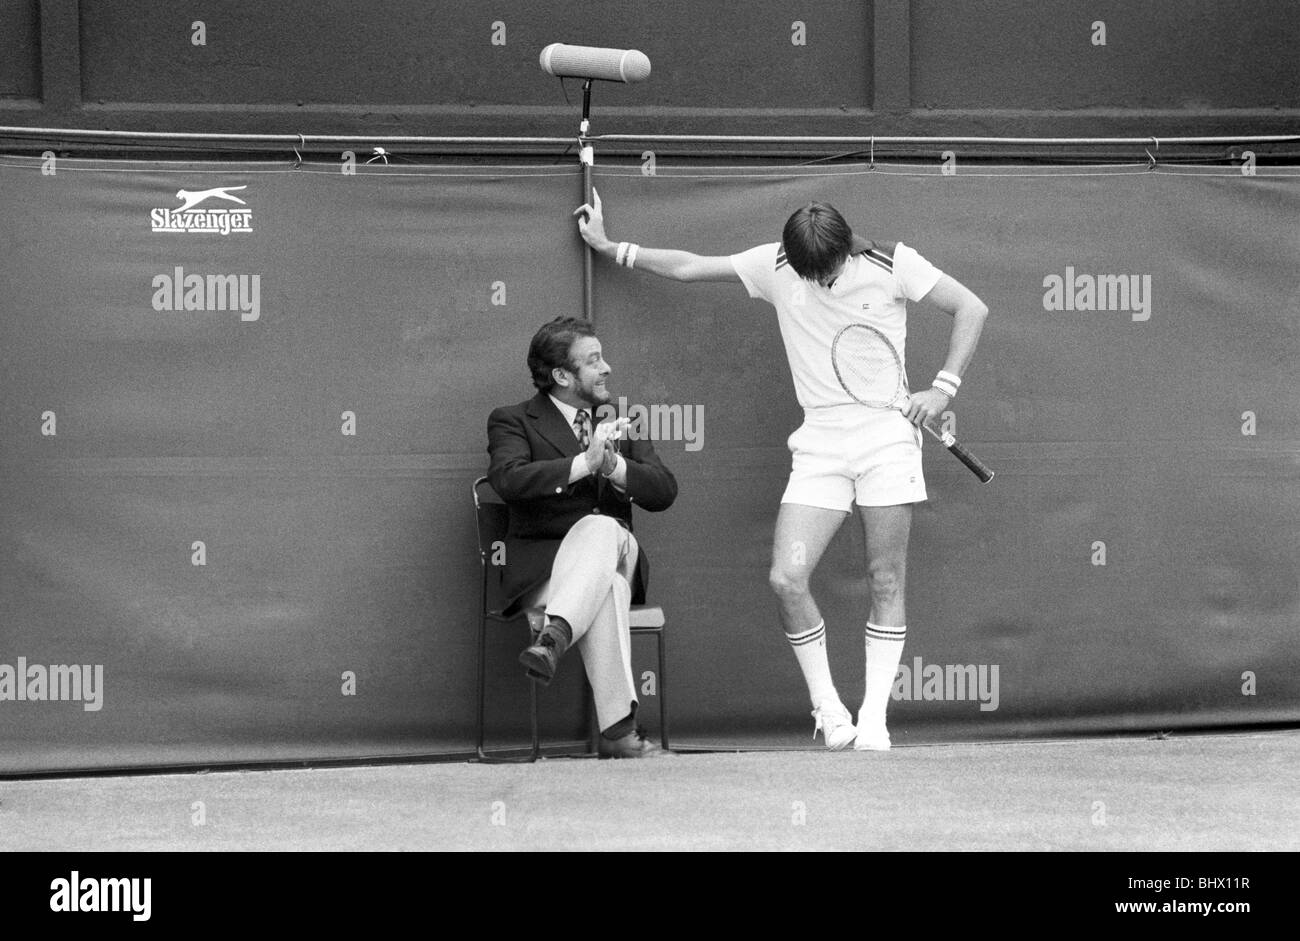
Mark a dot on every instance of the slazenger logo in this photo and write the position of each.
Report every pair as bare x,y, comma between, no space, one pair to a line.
231,214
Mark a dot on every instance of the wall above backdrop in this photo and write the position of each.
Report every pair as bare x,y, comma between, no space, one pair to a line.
1043,68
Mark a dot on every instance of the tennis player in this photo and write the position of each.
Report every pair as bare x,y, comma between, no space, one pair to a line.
821,277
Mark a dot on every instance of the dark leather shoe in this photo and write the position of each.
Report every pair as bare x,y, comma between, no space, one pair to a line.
543,657
632,745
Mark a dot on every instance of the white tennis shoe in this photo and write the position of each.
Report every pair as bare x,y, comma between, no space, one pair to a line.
836,726
872,739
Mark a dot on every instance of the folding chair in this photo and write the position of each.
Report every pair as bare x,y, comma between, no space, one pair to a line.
493,516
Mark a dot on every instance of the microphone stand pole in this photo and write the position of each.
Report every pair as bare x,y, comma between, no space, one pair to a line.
587,157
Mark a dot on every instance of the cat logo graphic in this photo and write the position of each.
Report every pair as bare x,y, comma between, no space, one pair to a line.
224,213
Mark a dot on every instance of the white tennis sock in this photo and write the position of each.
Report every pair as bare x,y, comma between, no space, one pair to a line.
810,650
884,649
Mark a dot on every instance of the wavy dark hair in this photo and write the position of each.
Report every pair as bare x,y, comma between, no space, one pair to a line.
816,239
550,348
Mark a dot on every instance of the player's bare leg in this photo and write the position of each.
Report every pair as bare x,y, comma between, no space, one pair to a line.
887,529
802,534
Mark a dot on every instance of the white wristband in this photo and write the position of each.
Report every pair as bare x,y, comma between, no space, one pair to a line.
630,261
622,250
945,387
950,378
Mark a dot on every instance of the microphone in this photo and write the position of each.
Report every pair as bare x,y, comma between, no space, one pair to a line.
611,65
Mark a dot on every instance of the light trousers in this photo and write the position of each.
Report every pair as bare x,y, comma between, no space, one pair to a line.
591,588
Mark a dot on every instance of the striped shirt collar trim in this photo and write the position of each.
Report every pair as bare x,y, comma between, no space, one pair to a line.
859,247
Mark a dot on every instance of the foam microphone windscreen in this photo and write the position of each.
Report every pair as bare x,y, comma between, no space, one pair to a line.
612,65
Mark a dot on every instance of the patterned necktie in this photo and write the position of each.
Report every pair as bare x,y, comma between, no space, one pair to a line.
580,425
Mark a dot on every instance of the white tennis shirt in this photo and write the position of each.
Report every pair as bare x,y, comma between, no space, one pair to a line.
874,289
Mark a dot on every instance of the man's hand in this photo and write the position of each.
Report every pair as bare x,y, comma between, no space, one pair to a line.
601,454
610,461
591,225
595,454
925,405
610,432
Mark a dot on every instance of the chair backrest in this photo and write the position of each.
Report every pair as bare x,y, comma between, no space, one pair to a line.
492,513
493,518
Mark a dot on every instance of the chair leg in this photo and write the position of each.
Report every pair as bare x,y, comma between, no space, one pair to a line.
480,720
532,696
481,687
593,723
663,693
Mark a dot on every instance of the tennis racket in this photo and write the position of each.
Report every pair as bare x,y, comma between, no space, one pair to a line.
871,371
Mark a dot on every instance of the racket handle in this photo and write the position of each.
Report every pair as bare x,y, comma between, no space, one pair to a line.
977,467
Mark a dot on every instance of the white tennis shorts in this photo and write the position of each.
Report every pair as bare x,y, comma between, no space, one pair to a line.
850,454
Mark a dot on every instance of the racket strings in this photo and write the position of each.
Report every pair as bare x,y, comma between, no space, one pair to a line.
869,371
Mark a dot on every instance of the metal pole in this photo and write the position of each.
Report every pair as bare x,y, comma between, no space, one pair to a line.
75,133
587,157
307,139
1047,141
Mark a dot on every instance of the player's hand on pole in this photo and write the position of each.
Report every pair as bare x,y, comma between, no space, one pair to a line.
925,405
591,223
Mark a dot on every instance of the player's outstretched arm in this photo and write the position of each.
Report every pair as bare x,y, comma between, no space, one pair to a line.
665,262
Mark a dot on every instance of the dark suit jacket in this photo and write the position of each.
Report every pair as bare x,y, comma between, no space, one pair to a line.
532,449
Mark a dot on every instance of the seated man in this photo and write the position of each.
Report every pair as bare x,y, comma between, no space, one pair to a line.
570,480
